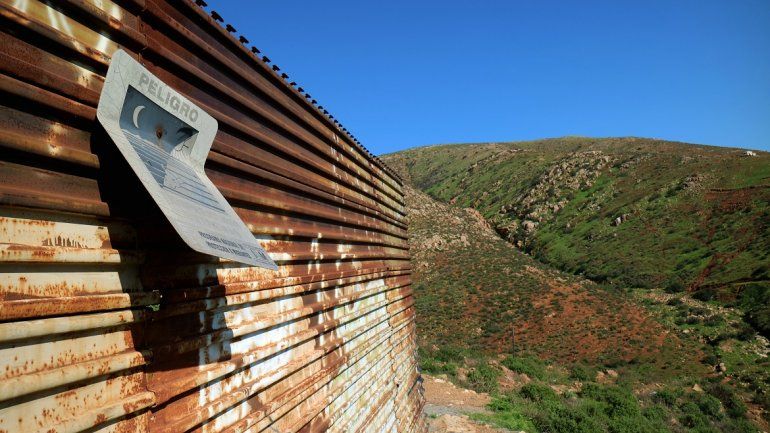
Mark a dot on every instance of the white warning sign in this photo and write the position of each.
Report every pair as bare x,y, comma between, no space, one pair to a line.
166,138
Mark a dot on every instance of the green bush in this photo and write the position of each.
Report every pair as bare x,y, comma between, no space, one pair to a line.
714,320
433,366
448,354
693,320
674,286
668,396
763,399
514,421
501,404
506,415
692,417
538,392
745,332
483,378
619,402
741,425
531,366
655,413
582,373
705,294
755,300
734,406
698,311
710,359
633,425
708,405
558,418
442,361
759,318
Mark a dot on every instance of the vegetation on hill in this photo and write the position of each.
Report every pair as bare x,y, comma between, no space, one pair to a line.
648,359
570,400
474,290
626,212
536,395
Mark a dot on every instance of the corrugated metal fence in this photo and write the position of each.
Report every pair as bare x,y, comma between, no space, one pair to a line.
109,323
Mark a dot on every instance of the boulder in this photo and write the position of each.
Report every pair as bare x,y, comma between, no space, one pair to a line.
462,374
620,220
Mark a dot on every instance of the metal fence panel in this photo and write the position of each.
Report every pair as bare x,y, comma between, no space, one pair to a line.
108,323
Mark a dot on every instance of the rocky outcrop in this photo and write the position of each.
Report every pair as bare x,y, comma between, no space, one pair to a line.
620,219
518,221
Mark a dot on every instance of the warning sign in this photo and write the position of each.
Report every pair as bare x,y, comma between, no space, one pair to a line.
166,138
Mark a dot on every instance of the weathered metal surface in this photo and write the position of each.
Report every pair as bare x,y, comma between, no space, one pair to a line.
109,323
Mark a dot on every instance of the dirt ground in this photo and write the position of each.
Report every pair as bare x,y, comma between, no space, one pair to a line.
448,406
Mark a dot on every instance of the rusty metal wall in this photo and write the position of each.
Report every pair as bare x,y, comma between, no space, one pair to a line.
109,323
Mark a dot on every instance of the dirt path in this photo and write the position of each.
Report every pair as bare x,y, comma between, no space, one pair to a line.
448,406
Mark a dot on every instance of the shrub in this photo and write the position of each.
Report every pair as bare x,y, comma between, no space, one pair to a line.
619,401
714,320
448,354
740,426
429,365
705,294
674,286
582,373
698,311
531,366
708,405
692,416
759,318
693,320
710,359
668,396
510,419
763,399
483,378
655,413
633,425
674,302
734,406
538,392
501,404
755,300
558,418
433,366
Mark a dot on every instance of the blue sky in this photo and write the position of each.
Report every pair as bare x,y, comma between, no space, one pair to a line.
401,74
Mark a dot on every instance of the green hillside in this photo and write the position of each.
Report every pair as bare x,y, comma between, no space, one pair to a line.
473,290
617,354
586,357
625,212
